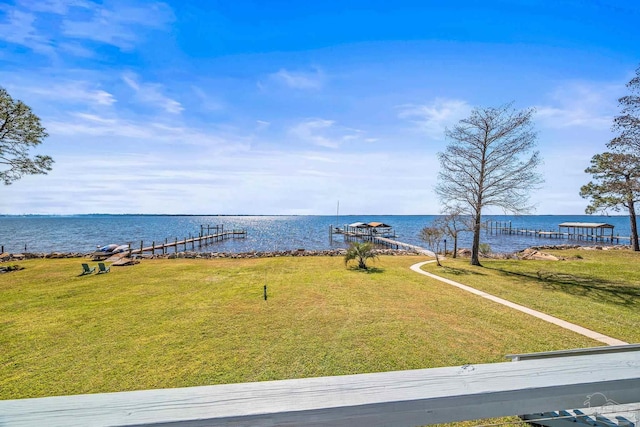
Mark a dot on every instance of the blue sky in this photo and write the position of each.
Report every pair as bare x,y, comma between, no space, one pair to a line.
284,107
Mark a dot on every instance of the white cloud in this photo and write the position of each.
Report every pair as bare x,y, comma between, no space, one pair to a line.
433,118
299,79
19,29
326,133
119,27
579,104
28,24
150,93
207,101
147,132
133,179
59,7
73,92
311,131
262,125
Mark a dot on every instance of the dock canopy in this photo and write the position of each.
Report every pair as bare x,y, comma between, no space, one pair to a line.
378,225
585,225
358,225
596,231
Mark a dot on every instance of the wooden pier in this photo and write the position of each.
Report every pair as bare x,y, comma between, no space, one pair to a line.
368,235
592,232
207,235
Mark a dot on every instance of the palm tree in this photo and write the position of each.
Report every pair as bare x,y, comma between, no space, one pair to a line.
360,252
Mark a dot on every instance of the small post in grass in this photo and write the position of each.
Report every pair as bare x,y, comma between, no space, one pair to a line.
265,292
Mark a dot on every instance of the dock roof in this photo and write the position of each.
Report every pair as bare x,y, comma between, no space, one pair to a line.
369,225
358,224
586,225
378,224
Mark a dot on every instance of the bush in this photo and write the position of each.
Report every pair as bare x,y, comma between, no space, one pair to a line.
485,249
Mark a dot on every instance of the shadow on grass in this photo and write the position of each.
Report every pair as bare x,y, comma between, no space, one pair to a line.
460,271
594,288
367,270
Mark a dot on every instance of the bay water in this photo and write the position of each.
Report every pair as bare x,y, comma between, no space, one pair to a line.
84,233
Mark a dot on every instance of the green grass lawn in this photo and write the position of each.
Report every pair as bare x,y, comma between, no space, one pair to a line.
599,290
177,323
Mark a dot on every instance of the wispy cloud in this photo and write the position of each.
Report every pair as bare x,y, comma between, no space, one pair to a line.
207,101
579,104
59,7
71,92
27,23
433,118
19,28
262,124
153,131
119,27
312,131
302,80
324,133
151,93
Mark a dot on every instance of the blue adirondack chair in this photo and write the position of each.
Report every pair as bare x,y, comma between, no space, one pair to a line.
102,268
87,270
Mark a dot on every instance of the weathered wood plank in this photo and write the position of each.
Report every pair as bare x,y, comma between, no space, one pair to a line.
403,398
575,352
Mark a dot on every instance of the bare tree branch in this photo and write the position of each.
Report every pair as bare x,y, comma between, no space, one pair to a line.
483,165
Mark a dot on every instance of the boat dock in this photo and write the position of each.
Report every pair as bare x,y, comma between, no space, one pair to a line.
376,233
581,231
207,235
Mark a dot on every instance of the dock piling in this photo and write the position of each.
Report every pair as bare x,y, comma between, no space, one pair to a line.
201,239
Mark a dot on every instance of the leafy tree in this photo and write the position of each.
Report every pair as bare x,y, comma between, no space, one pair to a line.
482,165
360,252
617,184
453,223
627,124
433,236
20,130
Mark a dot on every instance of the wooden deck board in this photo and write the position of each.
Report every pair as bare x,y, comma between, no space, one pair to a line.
401,398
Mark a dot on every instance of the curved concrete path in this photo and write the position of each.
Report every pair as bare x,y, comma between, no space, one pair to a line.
559,322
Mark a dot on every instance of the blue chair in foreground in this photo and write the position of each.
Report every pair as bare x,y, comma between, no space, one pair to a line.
103,268
87,270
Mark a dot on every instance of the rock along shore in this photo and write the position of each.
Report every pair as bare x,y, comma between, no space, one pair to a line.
7,257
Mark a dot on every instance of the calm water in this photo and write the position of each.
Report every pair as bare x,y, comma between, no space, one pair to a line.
83,233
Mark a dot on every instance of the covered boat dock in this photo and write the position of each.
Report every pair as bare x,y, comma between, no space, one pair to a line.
580,231
595,231
379,229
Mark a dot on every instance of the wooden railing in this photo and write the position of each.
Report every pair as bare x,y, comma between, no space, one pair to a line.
403,398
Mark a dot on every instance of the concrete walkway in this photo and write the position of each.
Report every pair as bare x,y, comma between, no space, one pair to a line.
559,322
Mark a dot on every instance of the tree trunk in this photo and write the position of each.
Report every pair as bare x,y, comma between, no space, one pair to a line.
455,245
634,227
475,247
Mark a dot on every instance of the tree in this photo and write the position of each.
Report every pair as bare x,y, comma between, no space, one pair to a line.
360,252
20,130
453,223
617,184
482,166
627,124
433,236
